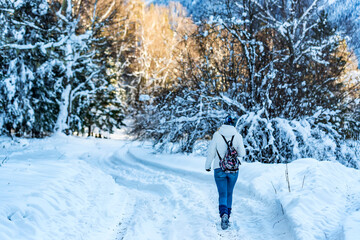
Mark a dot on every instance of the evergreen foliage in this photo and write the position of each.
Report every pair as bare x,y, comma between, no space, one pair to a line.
52,75
28,71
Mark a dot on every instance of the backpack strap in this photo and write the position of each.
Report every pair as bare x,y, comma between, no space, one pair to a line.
227,144
231,141
218,155
232,138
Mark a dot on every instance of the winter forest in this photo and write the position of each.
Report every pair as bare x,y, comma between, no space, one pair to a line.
287,69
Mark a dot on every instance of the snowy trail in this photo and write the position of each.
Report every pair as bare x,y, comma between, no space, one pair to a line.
75,188
170,203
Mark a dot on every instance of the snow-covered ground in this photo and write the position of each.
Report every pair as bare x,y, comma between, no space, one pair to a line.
75,188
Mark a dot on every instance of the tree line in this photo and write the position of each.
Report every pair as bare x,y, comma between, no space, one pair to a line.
83,66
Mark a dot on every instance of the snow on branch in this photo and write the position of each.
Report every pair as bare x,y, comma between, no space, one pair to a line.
307,12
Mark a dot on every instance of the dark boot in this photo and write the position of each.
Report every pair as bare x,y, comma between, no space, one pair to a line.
229,212
224,221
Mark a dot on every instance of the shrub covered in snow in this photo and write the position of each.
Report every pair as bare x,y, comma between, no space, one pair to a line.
280,140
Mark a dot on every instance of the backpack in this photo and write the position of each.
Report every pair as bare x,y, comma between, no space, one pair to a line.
230,162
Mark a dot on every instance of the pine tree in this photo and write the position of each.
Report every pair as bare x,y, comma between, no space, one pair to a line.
27,81
53,71
84,58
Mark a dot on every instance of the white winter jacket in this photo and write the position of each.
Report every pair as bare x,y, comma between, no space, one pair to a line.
218,143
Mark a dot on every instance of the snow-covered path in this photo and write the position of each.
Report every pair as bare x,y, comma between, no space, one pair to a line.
90,189
171,203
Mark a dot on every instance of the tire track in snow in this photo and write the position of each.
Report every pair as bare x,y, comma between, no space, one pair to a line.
170,203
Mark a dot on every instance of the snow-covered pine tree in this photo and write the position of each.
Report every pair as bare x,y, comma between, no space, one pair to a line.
52,72
107,110
28,73
85,81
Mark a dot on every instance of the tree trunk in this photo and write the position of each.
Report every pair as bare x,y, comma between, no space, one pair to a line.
62,121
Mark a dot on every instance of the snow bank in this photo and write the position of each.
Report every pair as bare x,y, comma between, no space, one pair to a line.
318,202
45,194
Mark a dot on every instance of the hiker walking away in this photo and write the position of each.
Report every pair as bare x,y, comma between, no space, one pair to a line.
221,152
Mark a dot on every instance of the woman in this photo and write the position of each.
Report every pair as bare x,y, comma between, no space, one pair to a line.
225,181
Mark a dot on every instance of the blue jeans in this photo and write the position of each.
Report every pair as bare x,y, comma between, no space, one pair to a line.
225,183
